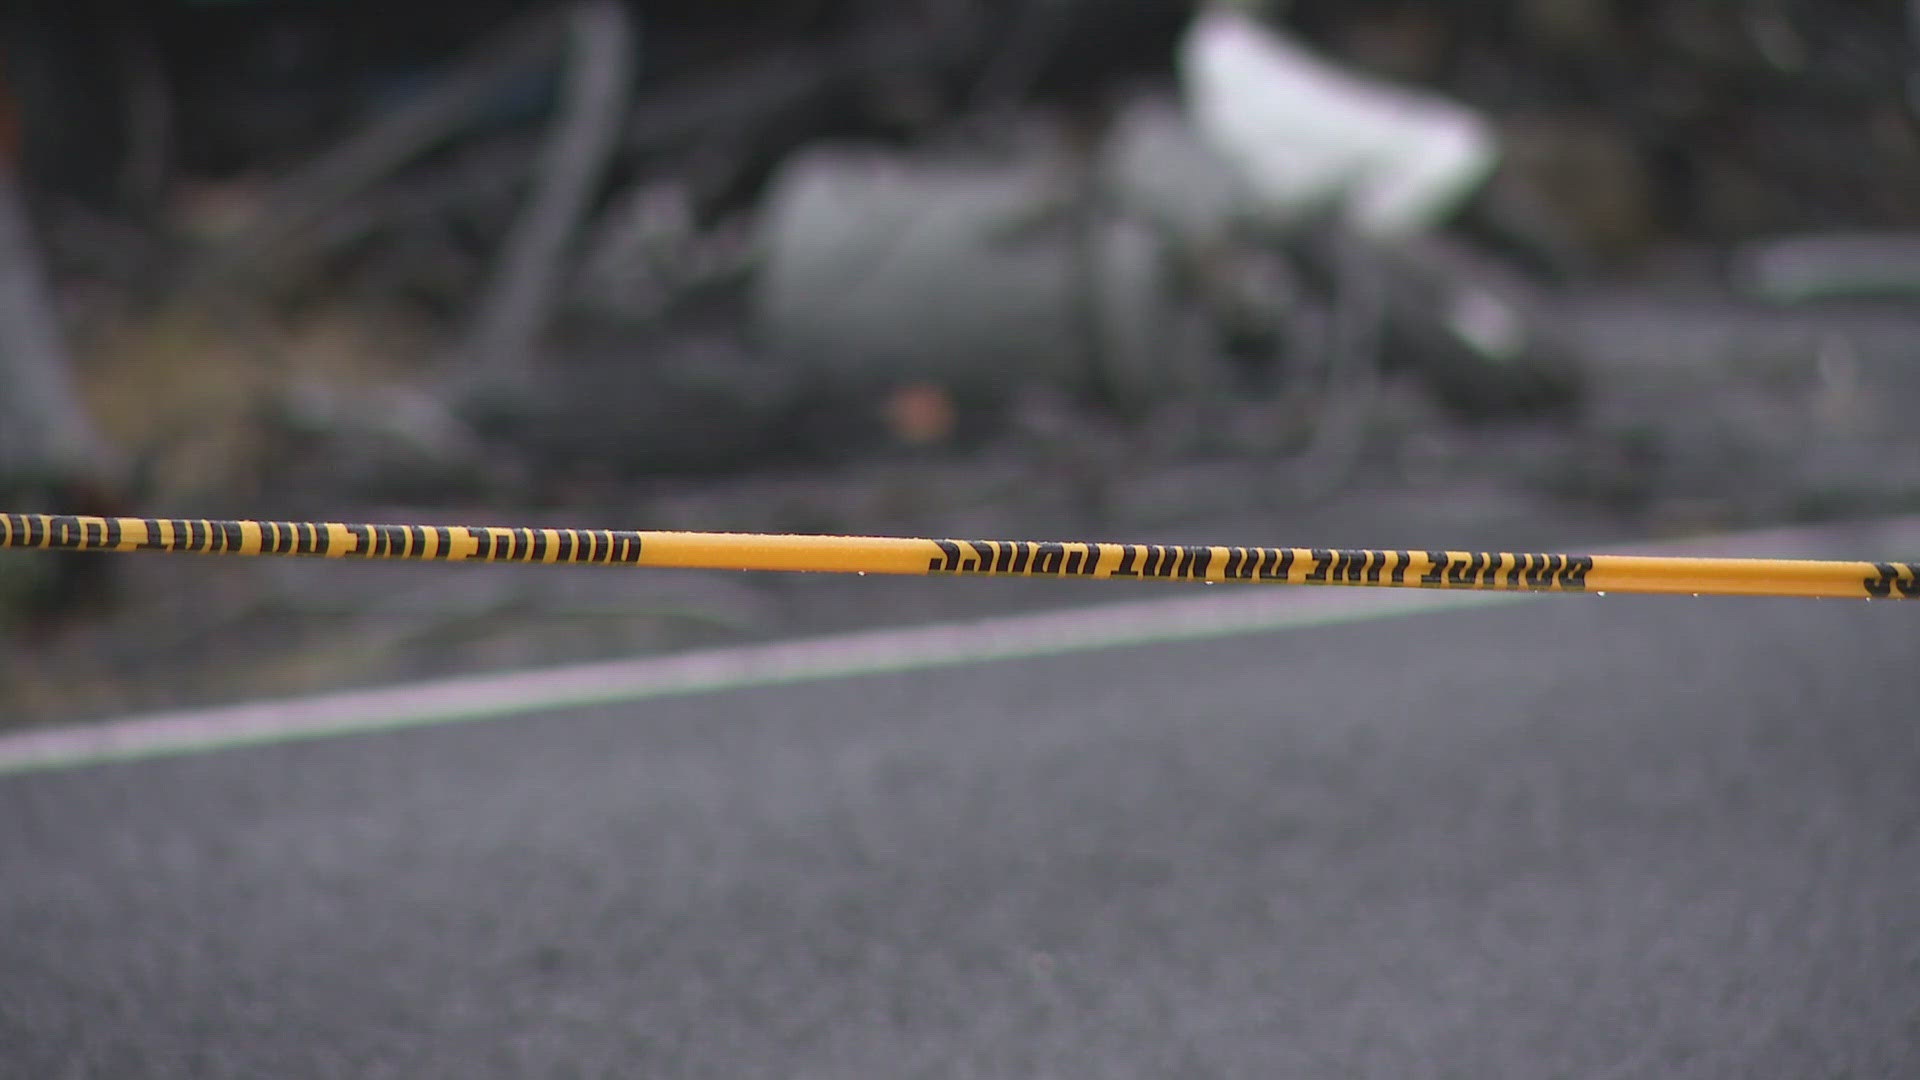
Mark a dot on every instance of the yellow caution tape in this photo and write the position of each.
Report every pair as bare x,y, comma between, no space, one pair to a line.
1482,570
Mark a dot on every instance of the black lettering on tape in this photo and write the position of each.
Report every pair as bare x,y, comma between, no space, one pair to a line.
1495,562
1170,562
1154,561
981,564
1272,564
1343,569
1574,577
1351,567
948,561
1903,578
1463,569
1882,585
1022,556
1002,555
1128,555
1048,559
1322,562
1436,569
1543,571
1149,564
113,533
1190,562
1238,565
1276,564
1083,559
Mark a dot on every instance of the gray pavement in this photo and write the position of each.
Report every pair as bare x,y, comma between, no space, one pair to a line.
1565,837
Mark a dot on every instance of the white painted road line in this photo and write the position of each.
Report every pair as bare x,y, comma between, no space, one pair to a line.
1227,612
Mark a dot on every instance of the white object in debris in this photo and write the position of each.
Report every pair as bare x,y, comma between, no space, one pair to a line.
1306,135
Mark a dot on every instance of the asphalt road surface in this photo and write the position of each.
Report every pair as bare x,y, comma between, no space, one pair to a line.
1561,837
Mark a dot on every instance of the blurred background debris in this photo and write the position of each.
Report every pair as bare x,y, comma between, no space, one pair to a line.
1113,266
